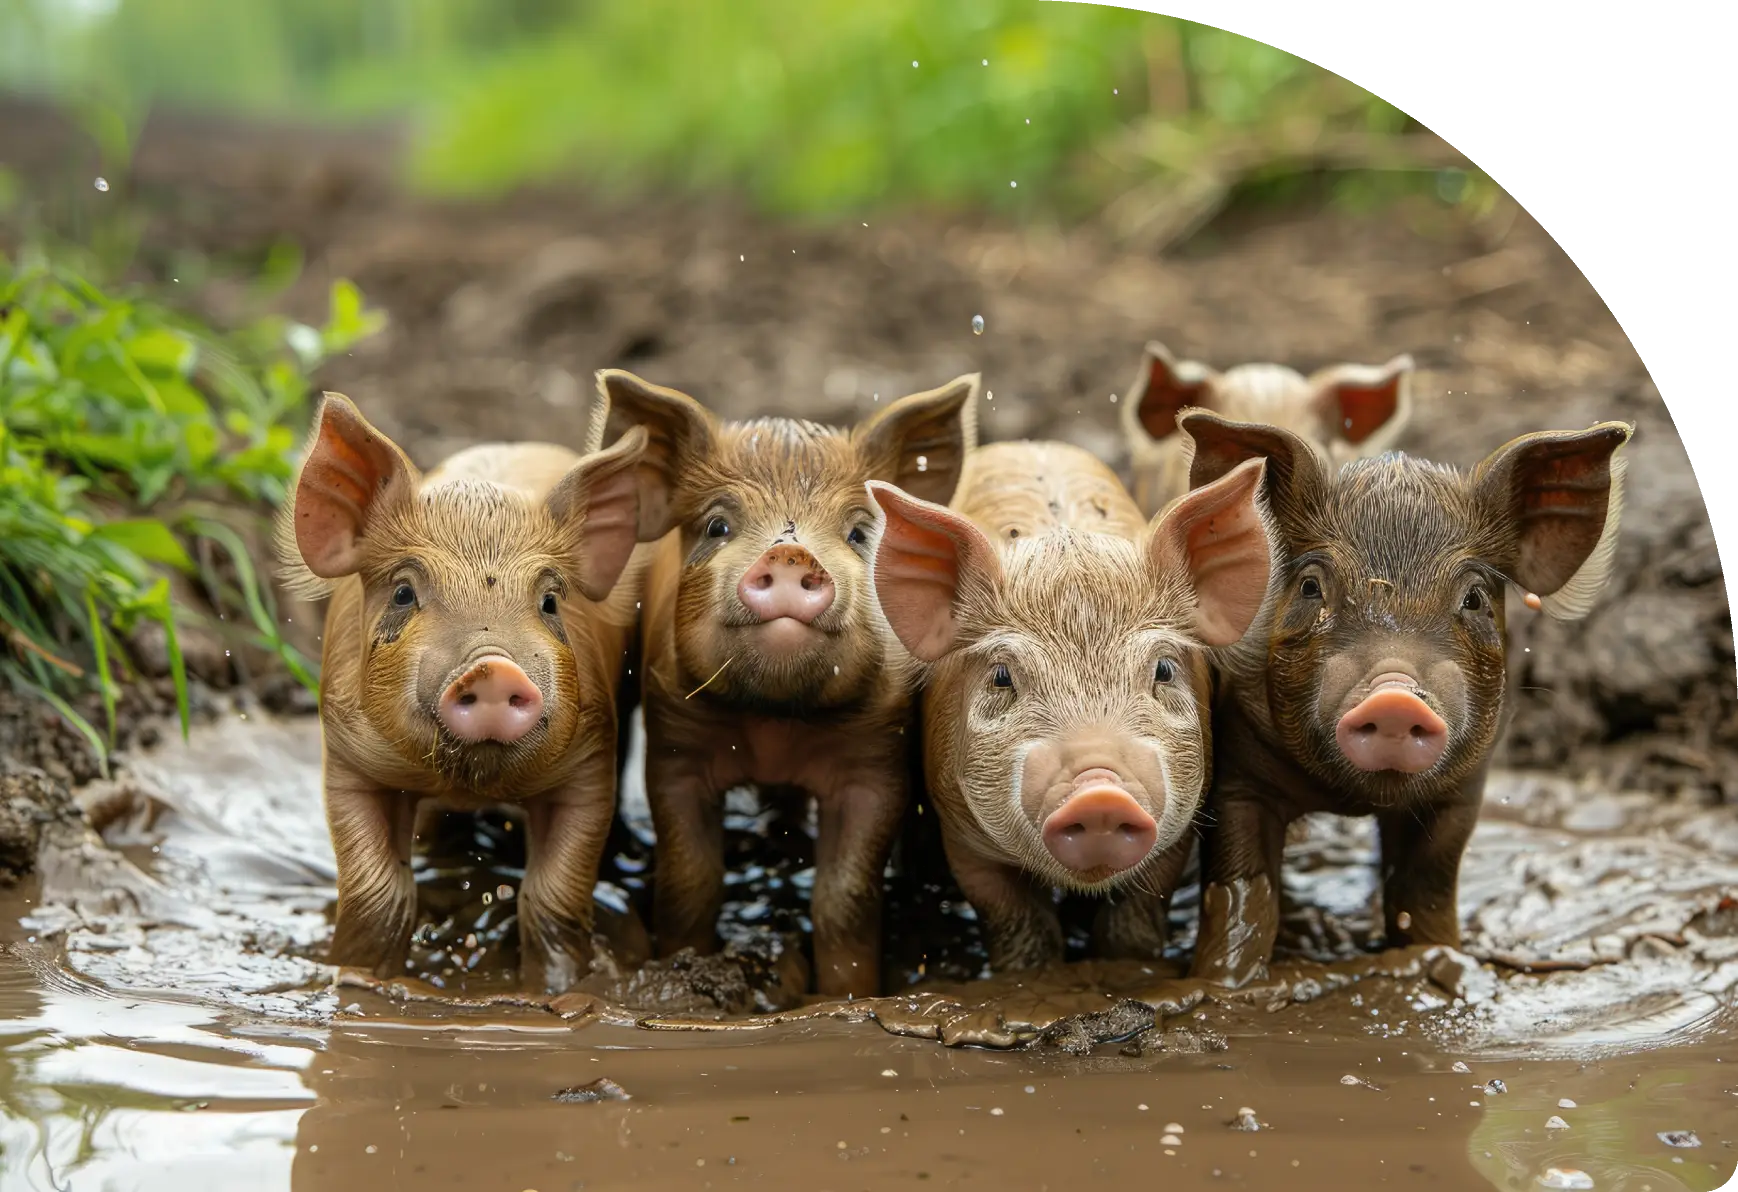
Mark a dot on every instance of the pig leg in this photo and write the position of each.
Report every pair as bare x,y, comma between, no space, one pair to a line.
564,839
1133,924
372,830
1239,891
1021,927
857,826
1421,853
688,883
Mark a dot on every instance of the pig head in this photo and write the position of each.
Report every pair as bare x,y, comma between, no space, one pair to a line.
1344,412
1375,682
1066,708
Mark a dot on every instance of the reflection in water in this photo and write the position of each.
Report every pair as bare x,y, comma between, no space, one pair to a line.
167,1023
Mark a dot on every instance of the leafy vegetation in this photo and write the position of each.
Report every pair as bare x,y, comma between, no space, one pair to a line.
120,423
807,107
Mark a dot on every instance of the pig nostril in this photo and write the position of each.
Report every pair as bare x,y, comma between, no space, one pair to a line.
1074,829
467,699
516,701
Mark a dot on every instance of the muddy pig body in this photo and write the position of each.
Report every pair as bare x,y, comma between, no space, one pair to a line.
1066,728
1374,682
1344,411
479,623
766,659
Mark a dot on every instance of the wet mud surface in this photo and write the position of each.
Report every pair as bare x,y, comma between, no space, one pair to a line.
165,1017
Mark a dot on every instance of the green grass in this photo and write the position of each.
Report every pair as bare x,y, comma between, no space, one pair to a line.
121,425
803,107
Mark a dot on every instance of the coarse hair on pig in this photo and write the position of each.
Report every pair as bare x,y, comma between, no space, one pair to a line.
1343,412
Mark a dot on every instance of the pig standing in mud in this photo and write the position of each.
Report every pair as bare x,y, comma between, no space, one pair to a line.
1374,682
1066,717
767,660
1346,411
479,623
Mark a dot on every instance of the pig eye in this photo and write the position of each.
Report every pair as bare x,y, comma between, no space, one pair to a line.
717,528
403,596
1311,588
1000,677
1164,671
858,536
551,606
1473,601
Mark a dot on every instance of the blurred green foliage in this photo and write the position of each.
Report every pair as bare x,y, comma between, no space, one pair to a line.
816,107
119,420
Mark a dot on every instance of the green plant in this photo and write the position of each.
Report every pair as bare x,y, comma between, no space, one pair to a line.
117,417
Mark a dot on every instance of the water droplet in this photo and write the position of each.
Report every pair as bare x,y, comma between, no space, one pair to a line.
742,256
1173,1128
504,893
1556,1123
914,67
997,1112
977,324
1028,120
1114,91
1031,1089
1012,183
1565,1103
1495,1087
923,463
1170,1140
1113,399
989,395
370,1149
1142,1106
1460,1067
889,1072
103,185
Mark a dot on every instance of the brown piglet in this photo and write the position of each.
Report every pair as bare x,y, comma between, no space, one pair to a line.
1374,682
479,624
766,659
1345,412
1066,730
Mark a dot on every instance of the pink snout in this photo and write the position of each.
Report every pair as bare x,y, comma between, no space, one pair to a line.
1100,830
1392,729
787,581
493,701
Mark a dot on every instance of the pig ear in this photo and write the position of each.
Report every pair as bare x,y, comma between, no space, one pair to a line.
1562,491
928,562
921,441
1164,388
351,473
1219,445
1218,537
678,431
598,502
1366,406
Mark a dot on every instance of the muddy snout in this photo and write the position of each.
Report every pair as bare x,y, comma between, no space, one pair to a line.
1099,830
1392,728
787,581
491,700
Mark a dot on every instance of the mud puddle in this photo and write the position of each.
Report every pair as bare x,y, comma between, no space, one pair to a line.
165,1021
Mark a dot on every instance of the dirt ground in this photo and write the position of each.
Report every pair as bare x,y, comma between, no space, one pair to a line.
501,312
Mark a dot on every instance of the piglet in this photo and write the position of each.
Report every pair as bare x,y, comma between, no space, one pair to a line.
1066,730
767,660
1374,681
1346,411
478,628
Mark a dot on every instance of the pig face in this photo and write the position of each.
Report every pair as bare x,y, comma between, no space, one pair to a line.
1384,650
1071,684
773,608
467,590
1344,412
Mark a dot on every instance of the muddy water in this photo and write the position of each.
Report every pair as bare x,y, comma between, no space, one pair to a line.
166,1023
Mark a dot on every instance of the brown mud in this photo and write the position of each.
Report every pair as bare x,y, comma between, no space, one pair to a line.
165,1018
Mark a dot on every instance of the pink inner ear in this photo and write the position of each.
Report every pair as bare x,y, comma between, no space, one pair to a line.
609,530
1164,395
344,474
919,565
1216,536
1365,409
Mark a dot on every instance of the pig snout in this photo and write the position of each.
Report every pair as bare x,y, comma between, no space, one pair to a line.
787,581
1392,728
493,700
1099,830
